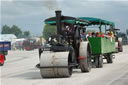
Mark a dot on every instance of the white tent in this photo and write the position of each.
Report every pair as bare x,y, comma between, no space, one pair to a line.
8,37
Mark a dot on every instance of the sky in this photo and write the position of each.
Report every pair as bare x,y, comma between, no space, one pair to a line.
29,15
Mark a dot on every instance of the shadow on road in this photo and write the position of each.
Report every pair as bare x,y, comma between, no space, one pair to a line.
30,74
35,74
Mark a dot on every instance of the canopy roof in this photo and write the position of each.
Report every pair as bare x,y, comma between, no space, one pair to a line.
96,21
79,20
68,20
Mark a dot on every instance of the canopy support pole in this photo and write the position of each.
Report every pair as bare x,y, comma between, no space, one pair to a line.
105,28
100,28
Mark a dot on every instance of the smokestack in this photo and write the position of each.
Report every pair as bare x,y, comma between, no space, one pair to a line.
58,21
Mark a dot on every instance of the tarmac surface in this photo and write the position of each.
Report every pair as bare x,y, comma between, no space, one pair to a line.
19,69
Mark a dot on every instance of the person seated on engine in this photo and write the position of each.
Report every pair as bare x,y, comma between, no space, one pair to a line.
83,36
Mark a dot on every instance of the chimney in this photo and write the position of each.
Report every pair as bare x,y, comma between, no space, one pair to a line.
58,21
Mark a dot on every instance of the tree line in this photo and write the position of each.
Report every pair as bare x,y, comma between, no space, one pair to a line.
14,30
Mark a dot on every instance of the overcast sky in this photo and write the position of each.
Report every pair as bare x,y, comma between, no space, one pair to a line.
30,14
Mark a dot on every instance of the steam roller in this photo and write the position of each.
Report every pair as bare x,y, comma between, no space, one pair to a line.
65,51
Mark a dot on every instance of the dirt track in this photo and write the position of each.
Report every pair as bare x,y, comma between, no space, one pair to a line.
19,69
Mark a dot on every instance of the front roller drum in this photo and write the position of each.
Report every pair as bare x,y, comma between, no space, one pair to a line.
85,57
55,64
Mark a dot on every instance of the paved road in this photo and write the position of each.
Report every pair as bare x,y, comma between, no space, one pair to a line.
19,69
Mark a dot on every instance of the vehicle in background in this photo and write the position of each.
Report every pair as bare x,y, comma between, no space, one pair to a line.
4,47
119,42
30,44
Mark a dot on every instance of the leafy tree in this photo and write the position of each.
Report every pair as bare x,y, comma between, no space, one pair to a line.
20,36
127,31
49,30
16,30
26,33
6,29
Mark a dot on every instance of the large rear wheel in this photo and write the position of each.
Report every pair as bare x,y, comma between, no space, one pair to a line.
85,57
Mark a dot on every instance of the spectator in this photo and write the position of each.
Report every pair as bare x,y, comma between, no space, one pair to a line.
98,34
93,34
102,34
89,34
110,34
